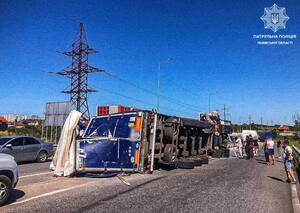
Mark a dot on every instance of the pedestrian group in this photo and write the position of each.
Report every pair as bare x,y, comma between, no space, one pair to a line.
284,152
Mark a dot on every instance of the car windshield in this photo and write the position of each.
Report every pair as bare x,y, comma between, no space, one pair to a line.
4,140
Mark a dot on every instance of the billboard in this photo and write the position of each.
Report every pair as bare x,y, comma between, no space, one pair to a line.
56,113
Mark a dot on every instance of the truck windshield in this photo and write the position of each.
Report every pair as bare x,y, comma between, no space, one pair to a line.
4,140
114,126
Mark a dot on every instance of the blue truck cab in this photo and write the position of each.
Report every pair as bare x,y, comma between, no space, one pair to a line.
110,143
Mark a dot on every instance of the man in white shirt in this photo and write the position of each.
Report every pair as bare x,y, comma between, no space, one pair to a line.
270,147
288,159
240,146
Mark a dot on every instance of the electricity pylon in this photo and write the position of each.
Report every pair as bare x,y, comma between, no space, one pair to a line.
78,73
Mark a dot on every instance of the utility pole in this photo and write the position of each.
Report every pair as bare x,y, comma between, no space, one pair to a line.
209,99
78,73
224,112
250,121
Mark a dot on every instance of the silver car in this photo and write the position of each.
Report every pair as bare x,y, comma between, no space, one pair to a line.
25,148
8,177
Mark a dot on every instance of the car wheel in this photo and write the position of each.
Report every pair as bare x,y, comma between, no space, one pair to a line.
42,157
5,189
186,164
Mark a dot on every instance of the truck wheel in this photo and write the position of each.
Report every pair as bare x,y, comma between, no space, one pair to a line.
42,157
186,164
198,162
169,155
5,189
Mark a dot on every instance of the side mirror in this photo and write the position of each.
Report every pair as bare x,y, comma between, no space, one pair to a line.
8,146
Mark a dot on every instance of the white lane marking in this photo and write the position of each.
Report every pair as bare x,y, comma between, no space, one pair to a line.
295,199
48,194
43,173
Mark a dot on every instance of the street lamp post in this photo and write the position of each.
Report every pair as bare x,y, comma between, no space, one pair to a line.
158,80
209,99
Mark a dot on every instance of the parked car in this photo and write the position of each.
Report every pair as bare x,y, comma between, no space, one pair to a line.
25,148
8,176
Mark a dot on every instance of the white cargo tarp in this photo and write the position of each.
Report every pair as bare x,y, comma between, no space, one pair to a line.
64,158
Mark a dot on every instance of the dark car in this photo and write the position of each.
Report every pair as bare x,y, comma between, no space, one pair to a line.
25,148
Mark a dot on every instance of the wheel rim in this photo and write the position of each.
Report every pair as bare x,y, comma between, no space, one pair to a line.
43,156
3,191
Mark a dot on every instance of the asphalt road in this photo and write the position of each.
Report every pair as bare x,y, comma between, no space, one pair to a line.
31,168
225,185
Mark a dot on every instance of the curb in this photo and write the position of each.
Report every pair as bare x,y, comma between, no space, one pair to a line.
295,200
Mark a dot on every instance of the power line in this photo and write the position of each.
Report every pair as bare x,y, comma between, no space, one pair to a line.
137,100
191,107
183,87
169,99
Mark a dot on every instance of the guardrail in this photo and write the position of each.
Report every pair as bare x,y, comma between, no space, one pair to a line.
296,157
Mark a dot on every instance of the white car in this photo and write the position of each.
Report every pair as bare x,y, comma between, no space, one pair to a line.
8,176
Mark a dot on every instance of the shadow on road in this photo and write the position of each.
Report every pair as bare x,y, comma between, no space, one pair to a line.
262,162
15,194
275,178
30,162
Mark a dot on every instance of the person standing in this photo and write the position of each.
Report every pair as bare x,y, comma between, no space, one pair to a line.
255,147
288,159
248,147
266,152
240,146
251,146
270,146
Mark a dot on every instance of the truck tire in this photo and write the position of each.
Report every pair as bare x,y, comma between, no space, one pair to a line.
42,157
197,162
225,153
217,154
169,153
185,164
204,159
5,189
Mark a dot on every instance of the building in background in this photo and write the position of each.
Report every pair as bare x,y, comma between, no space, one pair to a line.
3,124
283,128
21,117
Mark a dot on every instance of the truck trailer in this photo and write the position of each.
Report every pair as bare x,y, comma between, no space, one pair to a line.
141,141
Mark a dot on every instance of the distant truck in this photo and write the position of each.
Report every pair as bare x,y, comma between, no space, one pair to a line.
140,141
113,109
253,133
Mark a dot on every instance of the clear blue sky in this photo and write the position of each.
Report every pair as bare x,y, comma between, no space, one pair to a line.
210,42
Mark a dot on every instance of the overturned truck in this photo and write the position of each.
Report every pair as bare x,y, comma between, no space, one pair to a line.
141,141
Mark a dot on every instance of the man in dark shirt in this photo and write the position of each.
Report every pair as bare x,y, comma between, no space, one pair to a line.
248,147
